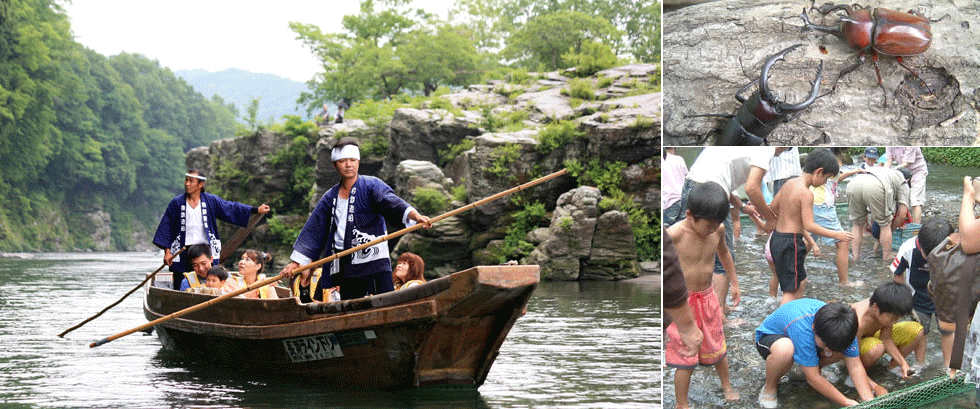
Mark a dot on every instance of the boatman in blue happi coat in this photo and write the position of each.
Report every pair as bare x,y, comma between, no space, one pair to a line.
191,219
352,213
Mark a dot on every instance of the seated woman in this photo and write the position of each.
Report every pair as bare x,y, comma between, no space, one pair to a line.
408,271
250,267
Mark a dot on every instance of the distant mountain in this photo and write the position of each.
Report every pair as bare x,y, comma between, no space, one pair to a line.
277,95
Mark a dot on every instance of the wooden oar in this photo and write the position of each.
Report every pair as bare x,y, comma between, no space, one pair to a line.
233,242
62,335
325,260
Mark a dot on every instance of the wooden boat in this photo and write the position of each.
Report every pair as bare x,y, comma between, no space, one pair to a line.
447,331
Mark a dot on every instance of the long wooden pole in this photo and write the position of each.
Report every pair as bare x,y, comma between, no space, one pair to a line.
62,335
236,239
325,260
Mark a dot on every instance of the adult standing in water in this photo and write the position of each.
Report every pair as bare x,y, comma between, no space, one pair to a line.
352,213
880,193
911,157
191,218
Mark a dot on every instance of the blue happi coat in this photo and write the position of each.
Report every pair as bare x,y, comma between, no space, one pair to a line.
371,202
171,232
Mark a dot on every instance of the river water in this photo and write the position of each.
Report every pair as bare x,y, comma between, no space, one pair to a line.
581,345
943,190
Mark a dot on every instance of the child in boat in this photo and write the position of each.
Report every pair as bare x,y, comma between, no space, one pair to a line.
408,271
880,331
199,256
305,285
911,258
793,206
813,334
707,207
250,267
217,276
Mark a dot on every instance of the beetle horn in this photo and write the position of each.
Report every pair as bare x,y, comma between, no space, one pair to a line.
814,91
764,77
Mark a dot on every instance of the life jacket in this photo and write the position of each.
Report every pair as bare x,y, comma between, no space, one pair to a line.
410,283
314,279
264,292
193,280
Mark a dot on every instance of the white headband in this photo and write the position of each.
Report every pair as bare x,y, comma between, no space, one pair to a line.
345,152
198,177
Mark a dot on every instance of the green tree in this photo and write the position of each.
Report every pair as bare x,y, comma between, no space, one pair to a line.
385,50
546,39
444,57
493,21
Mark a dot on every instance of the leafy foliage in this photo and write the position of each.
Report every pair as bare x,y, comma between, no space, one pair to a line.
556,135
532,216
82,133
430,201
950,156
548,39
592,58
385,50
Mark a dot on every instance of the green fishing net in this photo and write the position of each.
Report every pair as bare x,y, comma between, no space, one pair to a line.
920,394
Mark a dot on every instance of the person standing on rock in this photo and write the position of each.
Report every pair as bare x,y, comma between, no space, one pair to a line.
352,213
191,217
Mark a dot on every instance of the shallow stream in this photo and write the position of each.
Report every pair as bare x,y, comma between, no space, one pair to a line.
747,368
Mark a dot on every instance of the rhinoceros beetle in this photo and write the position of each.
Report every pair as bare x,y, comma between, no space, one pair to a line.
876,31
762,111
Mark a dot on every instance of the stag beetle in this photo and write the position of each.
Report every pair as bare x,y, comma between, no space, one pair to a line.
762,111
876,31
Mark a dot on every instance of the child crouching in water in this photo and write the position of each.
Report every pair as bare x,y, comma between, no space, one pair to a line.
700,231
813,334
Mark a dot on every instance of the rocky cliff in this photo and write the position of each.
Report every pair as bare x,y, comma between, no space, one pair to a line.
483,140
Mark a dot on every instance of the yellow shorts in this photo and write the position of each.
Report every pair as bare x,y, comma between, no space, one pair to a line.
903,333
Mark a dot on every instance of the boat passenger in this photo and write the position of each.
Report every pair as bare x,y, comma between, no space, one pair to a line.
191,218
217,278
355,211
199,257
408,271
250,267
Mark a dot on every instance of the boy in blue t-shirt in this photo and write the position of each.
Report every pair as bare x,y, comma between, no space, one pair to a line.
911,258
812,333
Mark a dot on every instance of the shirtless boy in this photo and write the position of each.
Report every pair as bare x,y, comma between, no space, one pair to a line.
794,209
880,331
707,207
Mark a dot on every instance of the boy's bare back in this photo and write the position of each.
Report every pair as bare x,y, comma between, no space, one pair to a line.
696,253
790,201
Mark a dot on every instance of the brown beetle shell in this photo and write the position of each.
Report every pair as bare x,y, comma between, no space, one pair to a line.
857,29
886,31
901,34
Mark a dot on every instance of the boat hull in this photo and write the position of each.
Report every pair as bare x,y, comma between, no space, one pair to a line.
445,332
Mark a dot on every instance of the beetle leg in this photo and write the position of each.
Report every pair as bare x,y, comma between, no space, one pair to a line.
874,60
902,63
738,94
844,72
828,8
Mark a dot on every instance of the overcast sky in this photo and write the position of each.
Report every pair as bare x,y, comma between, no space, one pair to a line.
214,35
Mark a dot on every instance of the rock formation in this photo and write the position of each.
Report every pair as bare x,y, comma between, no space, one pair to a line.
616,124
